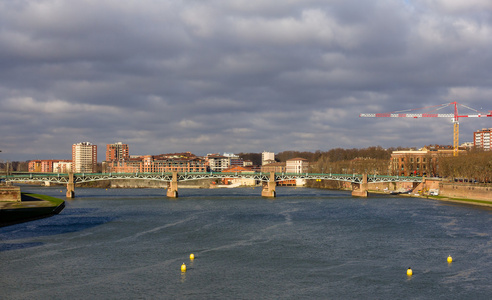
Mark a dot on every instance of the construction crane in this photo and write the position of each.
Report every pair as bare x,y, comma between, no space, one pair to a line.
432,114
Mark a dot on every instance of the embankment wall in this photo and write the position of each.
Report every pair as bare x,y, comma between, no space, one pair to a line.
10,193
205,183
467,191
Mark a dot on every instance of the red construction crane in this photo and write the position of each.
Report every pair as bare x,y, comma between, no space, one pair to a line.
431,114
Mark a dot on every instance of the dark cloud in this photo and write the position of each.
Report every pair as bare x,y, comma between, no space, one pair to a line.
237,75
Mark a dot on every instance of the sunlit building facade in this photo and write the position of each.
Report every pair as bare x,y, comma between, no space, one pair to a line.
421,162
179,162
84,157
297,165
117,151
481,139
267,158
49,166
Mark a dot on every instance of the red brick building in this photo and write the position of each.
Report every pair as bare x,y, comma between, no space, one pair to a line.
180,162
422,162
117,151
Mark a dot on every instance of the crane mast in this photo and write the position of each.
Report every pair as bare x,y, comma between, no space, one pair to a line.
455,117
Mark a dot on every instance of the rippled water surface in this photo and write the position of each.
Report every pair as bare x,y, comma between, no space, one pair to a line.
304,244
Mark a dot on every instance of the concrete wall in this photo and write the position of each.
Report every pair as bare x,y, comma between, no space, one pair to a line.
10,193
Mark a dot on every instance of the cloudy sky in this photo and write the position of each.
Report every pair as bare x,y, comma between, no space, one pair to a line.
237,75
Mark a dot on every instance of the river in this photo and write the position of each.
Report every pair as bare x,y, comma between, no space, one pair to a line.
304,244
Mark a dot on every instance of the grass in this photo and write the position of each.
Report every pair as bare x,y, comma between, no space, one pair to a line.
37,197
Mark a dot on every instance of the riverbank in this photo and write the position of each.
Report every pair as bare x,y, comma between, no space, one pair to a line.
441,198
31,207
457,200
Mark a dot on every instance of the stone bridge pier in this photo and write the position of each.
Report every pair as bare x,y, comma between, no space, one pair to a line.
70,186
269,187
360,189
172,188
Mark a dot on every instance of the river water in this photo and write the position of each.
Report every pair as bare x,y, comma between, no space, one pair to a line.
304,244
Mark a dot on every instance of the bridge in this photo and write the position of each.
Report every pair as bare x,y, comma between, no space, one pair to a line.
269,180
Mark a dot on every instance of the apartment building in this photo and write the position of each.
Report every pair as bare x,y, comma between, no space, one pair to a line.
84,157
481,139
297,165
49,166
62,166
180,162
234,160
218,163
117,151
267,158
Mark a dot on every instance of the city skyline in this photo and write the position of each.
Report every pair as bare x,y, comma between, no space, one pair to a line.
237,76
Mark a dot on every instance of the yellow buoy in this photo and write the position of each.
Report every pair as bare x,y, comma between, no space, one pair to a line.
409,272
192,256
450,259
183,267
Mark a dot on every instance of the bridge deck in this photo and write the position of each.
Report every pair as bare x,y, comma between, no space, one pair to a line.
167,176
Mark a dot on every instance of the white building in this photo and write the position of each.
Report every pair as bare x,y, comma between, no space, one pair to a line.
297,165
218,163
84,157
267,158
62,167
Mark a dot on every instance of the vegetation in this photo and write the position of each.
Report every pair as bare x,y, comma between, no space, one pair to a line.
471,166
372,160
15,166
52,200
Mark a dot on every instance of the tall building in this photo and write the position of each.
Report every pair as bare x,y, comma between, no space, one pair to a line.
481,138
84,157
267,158
117,151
